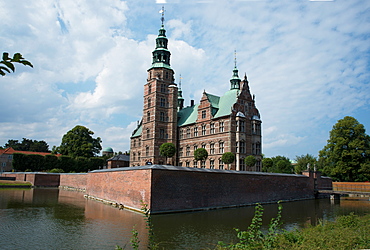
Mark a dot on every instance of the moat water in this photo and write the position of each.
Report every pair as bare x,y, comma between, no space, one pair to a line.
60,219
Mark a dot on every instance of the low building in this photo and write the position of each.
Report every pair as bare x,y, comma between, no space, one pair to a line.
6,157
118,161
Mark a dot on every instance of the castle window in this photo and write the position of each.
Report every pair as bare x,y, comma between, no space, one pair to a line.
187,164
138,156
161,133
134,143
204,145
242,147
195,147
162,102
133,156
147,151
161,116
258,148
212,148
180,152
148,133
221,147
163,88
212,128
212,164
148,116
166,75
139,142
187,151
180,133
258,166
203,164
149,88
195,131
149,102
204,114
188,133
220,164
221,126
242,126
195,164
253,149
203,129
242,165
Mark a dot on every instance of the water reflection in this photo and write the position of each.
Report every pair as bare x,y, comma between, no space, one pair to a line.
60,219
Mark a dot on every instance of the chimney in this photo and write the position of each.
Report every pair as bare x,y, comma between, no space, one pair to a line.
191,103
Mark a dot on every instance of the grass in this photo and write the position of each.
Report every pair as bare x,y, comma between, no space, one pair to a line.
15,183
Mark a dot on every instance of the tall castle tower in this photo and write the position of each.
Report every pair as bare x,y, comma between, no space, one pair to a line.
159,123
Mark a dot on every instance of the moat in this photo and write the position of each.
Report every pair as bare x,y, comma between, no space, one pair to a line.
53,218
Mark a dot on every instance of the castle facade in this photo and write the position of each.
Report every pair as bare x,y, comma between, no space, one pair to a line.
228,123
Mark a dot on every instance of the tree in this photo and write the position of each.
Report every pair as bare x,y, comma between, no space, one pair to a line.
28,145
346,157
250,161
303,161
267,164
79,142
228,158
167,150
200,154
7,64
281,164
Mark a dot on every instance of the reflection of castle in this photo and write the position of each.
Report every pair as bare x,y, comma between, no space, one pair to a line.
228,123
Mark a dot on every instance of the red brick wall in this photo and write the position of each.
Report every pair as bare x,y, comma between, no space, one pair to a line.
73,180
37,179
127,187
182,190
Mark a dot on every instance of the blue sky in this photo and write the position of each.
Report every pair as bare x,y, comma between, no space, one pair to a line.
307,62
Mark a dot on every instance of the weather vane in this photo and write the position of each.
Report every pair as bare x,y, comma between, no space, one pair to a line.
162,12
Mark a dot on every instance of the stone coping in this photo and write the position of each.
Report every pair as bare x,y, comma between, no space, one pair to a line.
188,169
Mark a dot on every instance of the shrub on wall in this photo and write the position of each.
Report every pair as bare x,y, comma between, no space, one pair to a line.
36,162
51,162
66,163
19,161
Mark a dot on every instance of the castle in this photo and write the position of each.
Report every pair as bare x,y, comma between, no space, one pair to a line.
228,123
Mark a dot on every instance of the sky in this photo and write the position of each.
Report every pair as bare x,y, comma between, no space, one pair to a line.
307,63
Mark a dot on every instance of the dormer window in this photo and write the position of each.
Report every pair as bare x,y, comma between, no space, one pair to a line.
204,114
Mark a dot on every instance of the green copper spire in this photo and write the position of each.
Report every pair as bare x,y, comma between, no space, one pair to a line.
161,55
235,80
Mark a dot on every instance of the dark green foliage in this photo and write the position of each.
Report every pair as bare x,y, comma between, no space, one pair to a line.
280,164
67,164
19,161
51,161
97,163
7,64
267,164
56,170
79,142
82,164
36,162
28,145
228,157
303,161
250,161
346,157
200,154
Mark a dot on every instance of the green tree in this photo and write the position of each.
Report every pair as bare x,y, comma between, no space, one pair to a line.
346,157
281,164
267,164
303,161
79,142
167,150
7,64
228,158
200,154
28,145
250,161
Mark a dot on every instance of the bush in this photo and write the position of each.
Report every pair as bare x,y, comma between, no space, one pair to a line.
56,170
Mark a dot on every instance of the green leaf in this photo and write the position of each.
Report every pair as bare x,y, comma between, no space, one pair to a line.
10,65
6,56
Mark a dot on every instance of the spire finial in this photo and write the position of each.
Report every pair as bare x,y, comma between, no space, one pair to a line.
180,82
235,57
162,12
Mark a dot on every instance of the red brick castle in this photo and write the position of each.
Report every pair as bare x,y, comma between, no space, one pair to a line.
228,123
